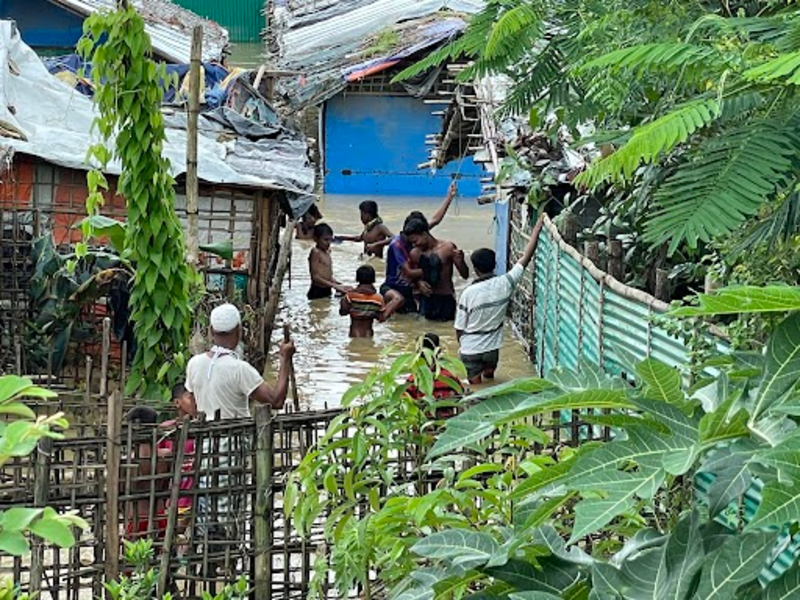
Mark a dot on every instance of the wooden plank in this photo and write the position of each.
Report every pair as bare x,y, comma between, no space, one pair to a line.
263,518
113,458
192,181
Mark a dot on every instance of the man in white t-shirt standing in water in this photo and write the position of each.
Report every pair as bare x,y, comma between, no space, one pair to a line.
221,381
481,310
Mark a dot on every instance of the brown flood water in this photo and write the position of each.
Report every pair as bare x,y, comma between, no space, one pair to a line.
328,362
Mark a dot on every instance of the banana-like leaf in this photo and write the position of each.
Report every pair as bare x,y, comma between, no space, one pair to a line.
786,587
738,561
743,300
782,369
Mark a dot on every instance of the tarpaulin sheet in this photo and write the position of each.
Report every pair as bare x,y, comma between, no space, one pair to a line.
53,121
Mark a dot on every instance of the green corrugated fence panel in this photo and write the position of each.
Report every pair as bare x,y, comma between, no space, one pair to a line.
578,319
244,19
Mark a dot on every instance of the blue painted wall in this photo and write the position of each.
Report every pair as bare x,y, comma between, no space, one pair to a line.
42,24
501,225
373,145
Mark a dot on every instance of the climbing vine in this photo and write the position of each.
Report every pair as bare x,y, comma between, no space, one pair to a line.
128,97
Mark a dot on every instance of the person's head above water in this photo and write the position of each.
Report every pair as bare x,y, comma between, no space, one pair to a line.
415,215
142,415
369,211
430,341
484,261
323,235
365,275
226,326
418,233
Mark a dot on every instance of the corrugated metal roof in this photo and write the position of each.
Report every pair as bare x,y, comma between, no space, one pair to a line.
168,25
327,40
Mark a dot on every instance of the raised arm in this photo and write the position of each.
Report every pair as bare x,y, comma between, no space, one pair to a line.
438,216
530,247
276,396
350,238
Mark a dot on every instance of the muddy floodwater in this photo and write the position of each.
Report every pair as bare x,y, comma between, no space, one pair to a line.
328,362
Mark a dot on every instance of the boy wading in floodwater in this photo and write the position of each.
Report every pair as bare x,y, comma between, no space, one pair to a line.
364,304
376,235
320,265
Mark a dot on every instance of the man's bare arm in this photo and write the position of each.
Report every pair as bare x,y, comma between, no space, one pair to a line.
438,216
530,247
460,263
276,397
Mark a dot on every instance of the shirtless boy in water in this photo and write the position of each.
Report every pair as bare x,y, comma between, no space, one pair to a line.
320,265
430,265
365,304
375,232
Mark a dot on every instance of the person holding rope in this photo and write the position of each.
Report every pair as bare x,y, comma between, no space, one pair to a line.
481,310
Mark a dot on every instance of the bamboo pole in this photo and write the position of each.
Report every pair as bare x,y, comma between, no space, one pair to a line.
41,488
192,182
172,516
287,337
263,520
271,308
113,459
104,358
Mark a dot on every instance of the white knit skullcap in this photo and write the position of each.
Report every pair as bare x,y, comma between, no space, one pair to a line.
225,318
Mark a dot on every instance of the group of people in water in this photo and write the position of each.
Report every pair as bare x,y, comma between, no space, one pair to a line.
419,279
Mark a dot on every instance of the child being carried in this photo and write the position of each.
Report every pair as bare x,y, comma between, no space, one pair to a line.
364,304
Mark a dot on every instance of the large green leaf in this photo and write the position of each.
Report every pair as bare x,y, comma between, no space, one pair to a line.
741,300
463,548
782,369
684,442
731,479
786,587
103,226
780,504
681,561
662,382
739,561
552,575
634,580
785,458
13,386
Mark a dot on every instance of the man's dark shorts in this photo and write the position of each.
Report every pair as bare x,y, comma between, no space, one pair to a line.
476,364
410,304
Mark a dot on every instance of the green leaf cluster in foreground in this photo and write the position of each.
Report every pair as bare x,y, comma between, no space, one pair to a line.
503,507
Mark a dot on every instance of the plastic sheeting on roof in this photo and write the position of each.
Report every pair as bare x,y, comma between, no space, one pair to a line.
43,117
168,25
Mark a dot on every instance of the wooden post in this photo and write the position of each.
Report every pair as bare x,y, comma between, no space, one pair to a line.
41,489
287,337
572,226
591,250
104,358
271,308
662,285
192,182
263,508
172,516
113,459
615,260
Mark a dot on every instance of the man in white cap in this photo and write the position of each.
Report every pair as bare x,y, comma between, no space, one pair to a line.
221,381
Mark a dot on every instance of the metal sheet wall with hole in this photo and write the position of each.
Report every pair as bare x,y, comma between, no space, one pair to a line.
373,144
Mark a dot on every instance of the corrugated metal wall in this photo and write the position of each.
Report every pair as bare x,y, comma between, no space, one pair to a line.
567,311
373,144
244,19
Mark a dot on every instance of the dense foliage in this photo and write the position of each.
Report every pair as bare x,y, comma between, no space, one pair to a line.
692,104
20,432
128,97
665,509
